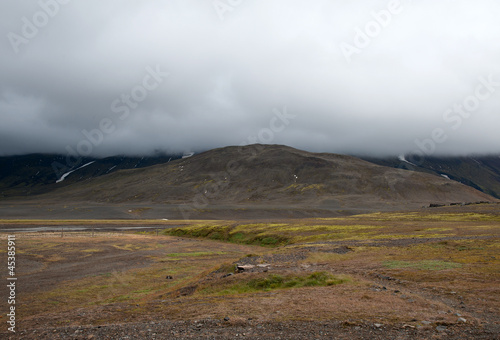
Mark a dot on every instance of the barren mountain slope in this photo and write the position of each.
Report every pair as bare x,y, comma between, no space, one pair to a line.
270,175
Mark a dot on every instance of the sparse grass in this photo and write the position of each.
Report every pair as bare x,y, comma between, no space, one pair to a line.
279,234
275,281
430,216
463,258
422,265
132,247
92,250
227,268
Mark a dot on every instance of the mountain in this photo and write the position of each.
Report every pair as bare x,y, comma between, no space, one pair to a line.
35,174
257,178
481,172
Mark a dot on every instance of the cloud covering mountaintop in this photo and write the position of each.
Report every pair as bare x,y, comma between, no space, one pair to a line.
358,77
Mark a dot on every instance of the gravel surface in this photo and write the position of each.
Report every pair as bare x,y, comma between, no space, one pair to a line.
221,329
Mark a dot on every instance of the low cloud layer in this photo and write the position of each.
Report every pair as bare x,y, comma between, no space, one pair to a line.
359,77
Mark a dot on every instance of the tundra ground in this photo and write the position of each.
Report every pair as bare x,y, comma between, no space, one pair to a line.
425,274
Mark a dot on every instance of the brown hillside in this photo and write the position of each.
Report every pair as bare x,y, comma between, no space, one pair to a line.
271,175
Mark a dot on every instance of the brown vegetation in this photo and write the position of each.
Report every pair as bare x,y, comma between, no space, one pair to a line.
410,273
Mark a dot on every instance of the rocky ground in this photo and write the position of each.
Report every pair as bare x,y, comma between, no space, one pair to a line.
228,329
433,280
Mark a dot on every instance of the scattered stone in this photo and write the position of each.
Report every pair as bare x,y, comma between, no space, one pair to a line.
169,277
458,314
378,325
397,291
226,319
441,328
462,320
245,267
426,322
408,326
383,277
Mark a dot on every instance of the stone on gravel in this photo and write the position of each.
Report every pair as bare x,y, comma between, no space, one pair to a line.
462,320
441,328
245,267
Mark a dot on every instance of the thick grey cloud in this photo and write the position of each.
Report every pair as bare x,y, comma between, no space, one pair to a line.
362,77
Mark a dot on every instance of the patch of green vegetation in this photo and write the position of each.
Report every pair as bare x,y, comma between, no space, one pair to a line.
419,216
92,250
422,265
227,268
269,241
121,298
237,237
258,234
273,281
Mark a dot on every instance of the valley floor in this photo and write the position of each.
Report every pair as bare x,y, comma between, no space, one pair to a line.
431,274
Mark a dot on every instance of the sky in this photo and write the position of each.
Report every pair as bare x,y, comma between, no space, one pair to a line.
362,77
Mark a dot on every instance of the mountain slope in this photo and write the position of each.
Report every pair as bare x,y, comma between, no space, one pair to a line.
270,175
482,173
35,174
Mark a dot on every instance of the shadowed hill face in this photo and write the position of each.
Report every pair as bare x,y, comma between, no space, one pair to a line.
271,175
482,173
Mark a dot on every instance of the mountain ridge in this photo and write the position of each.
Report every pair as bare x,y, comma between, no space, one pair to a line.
229,181
278,168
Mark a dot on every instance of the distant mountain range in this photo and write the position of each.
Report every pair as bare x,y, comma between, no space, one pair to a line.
36,174
257,175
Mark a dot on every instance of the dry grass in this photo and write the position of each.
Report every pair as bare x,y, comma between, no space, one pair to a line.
435,263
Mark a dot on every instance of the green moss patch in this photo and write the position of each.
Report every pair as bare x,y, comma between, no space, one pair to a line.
274,281
422,265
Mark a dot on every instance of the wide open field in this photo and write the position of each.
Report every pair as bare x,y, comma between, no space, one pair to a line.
433,273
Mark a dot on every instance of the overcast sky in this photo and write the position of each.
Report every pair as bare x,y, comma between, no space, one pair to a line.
358,77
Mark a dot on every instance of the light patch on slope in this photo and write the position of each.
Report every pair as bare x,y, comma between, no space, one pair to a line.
403,159
445,176
63,177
